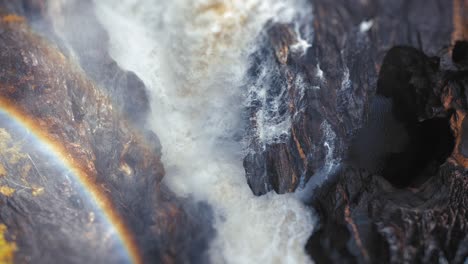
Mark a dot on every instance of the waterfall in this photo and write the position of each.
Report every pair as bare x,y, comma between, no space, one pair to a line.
193,56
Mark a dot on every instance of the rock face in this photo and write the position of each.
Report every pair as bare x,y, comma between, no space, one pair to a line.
76,31
380,92
407,202
56,114
365,219
88,40
329,87
372,111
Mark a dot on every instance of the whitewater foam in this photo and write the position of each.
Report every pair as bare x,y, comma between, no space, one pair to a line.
193,57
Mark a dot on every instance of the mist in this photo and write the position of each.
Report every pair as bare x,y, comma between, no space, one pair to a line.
193,57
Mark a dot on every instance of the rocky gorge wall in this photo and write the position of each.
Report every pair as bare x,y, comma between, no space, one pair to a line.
374,132
356,106
89,115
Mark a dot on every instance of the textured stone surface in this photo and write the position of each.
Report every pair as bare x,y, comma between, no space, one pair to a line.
402,203
72,106
399,195
375,207
329,88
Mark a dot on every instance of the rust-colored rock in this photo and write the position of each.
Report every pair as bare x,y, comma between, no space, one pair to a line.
43,91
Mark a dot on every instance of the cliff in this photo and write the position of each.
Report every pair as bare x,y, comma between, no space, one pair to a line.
376,106
75,157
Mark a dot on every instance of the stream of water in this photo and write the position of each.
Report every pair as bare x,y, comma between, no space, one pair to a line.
193,57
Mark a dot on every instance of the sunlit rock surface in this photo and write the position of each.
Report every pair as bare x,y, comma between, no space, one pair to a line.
79,182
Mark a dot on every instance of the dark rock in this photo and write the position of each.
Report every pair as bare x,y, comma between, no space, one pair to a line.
460,54
380,223
400,194
404,139
383,220
339,73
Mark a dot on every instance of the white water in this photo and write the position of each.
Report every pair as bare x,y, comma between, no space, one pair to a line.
193,55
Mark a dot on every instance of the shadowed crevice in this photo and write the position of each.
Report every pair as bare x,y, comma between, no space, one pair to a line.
406,137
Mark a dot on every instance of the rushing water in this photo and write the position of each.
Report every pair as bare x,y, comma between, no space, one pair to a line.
193,57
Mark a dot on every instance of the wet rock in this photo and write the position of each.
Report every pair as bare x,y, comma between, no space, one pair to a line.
460,55
48,99
365,219
383,98
331,84
75,29
383,219
386,220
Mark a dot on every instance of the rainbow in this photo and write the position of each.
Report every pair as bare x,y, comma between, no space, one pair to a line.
81,174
